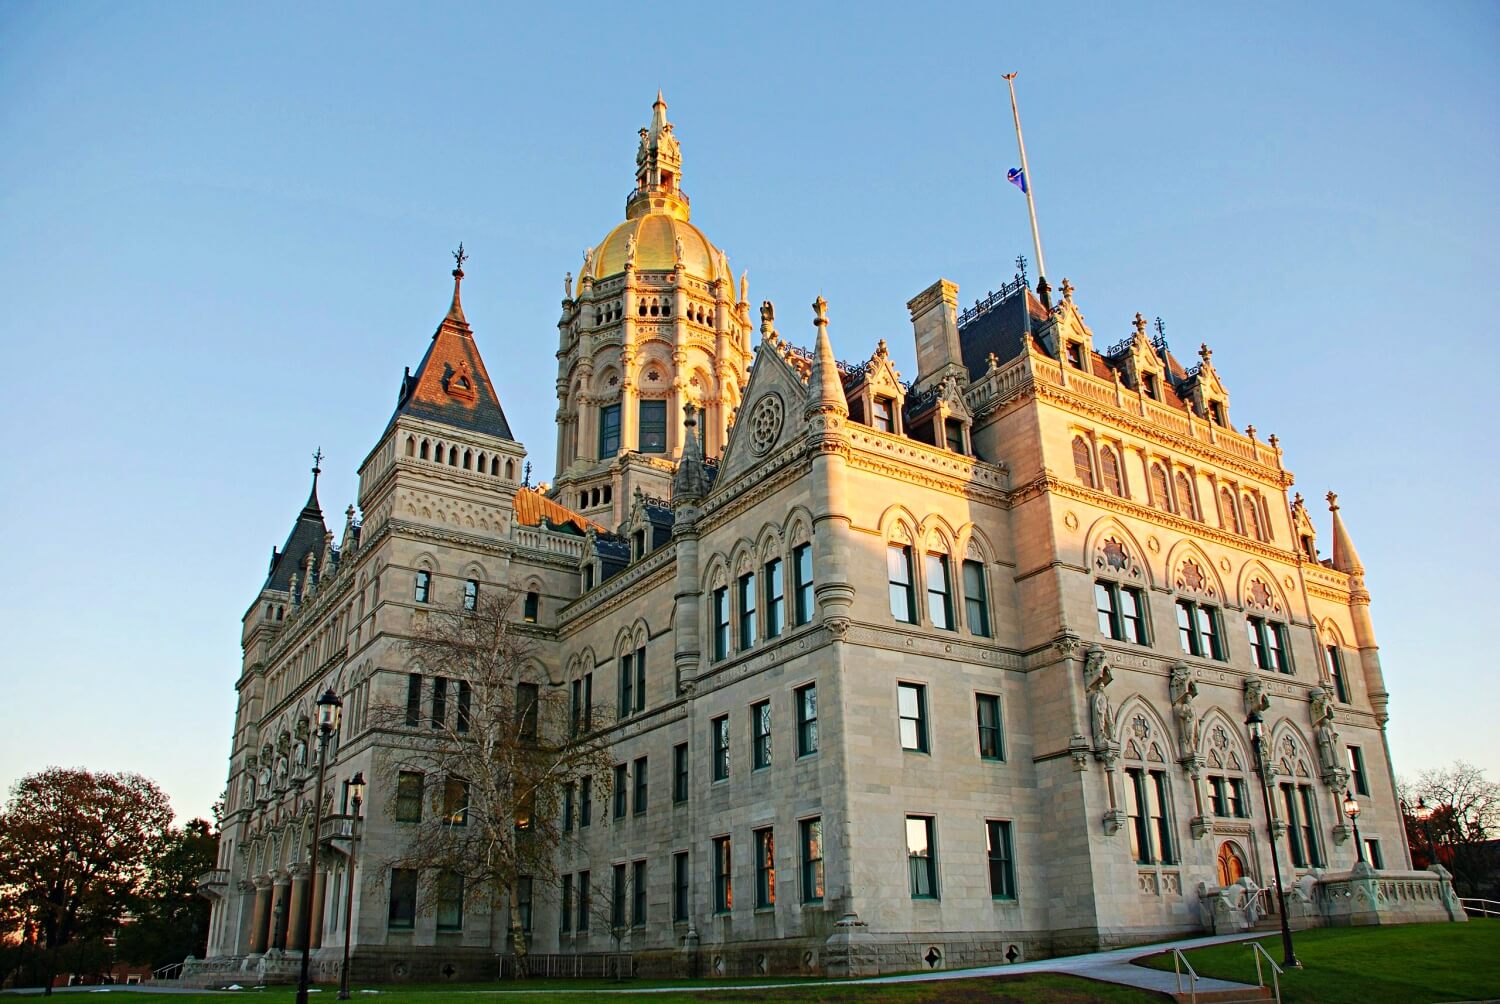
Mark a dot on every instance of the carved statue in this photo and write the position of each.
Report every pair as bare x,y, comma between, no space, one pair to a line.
281,769
1322,720
568,286
1096,677
588,259
265,778
1322,707
299,754
744,287
1184,690
1255,696
630,250
678,249
641,151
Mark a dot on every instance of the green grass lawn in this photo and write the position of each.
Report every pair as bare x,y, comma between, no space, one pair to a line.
1408,964
1037,988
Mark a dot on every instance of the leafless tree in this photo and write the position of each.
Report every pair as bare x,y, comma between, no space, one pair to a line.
1461,821
495,755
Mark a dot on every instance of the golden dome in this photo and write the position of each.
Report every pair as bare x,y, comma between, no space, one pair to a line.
656,236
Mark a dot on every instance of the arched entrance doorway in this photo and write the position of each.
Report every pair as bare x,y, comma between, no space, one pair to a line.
1231,863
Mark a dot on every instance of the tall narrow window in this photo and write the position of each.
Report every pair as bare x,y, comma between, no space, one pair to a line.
765,869
439,702
568,808
1336,671
408,797
1151,386
921,857
617,898
1357,771
465,702
638,890
456,802
976,600
403,907
721,622
1185,503
642,776
640,679
1109,471
413,699
1198,629
422,590
627,684
806,699
775,598
1121,612
760,742
911,701
1002,863
585,805
1252,519
621,793
1229,513
1075,355
898,571
939,592
1140,826
1161,489
1302,834
585,902
803,571
1373,855
609,430
680,772
881,414
1161,818
567,904
1268,644
523,901
1083,462
723,876
811,833
531,607
991,745
680,880
526,711
719,736
747,610
953,435
653,431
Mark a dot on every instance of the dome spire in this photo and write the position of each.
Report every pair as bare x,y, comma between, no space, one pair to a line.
658,169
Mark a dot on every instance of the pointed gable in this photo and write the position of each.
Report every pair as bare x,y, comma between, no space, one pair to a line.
306,537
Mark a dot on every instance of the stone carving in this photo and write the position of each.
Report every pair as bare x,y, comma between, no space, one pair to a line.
567,295
765,424
1328,740
1184,690
630,250
1096,677
767,313
299,754
1255,696
588,259
678,250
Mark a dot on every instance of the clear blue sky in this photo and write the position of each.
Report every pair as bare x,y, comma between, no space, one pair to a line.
224,231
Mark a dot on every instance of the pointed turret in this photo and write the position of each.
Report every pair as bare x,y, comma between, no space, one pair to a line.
690,482
658,169
456,308
825,391
305,538
1345,557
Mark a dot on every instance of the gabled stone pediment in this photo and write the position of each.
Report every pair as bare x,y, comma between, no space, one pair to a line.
770,415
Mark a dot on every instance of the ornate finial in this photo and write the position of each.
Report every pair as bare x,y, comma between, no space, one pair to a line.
1273,440
1140,324
459,257
1161,327
1333,502
317,467
1250,431
526,475
1021,267
1205,353
744,287
1067,290
1297,500
881,349
820,311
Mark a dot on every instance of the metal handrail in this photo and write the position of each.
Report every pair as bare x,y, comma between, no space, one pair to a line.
168,972
1178,961
1481,907
1257,950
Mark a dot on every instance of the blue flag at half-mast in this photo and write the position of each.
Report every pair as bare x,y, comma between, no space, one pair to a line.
1017,177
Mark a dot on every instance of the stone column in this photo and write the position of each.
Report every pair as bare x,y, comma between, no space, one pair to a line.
319,894
260,919
280,892
298,909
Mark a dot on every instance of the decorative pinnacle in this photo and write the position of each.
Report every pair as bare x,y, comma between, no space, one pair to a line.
1297,499
1140,324
1067,289
820,312
1021,266
459,257
1333,502
1204,352
1161,327
317,467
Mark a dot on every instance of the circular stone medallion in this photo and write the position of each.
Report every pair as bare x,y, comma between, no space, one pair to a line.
765,424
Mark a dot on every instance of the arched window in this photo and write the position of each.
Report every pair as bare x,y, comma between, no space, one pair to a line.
468,460
1109,469
1148,791
1083,461
495,466
1185,503
1252,518
1229,513
424,450
510,469
1161,489
452,456
411,446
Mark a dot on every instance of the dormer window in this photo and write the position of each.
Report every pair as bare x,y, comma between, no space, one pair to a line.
640,544
1150,386
1216,412
1075,355
954,435
881,415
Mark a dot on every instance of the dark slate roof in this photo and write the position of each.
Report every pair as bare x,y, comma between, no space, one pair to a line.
306,537
999,330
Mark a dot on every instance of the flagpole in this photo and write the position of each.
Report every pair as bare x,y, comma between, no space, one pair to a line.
1036,237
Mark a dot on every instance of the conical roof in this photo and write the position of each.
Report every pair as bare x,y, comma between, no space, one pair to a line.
306,537
1345,557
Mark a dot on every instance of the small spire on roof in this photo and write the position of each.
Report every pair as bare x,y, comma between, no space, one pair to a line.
312,496
1345,557
456,309
825,391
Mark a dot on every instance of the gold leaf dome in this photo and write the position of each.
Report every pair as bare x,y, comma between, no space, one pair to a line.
656,236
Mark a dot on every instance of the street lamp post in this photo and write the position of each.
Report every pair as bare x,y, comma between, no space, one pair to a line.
329,707
356,795
1351,809
1257,736
1422,813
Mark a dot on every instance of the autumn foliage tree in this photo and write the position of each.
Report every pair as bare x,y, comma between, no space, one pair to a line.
74,849
1461,807
169,919
495,763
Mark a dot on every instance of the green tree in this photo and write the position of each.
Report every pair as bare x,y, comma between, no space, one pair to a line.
169,920
74,849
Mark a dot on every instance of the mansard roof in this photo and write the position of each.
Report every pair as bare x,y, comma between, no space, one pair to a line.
999,329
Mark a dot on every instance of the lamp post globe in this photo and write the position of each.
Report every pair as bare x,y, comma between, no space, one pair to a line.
1257,728
1351,809
329,713
356,799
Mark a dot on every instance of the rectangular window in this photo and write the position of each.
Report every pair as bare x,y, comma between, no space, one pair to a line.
1148,382
719,737
456,802
567,904
803,572
680,772
621,792
1256,628
575,708
523,901
1140,824
747,610
953,434
408,797
680,887
585,902
911,707
723,876
811,833
1075,355
642,777
1373,855
760,742
640,679
1002,864
1276,640
585,804
939,594
1161,818
721,622
422,587
617,899
991,740
1239,799
588,701
1198,629
413,699
1121,612
609,431
898,571
465,701
530,608
527,699
765,869
471,594
1302,827
921,857
976,601
627,684
880,414
653,432
1219,795
1336,671
403,910
439,702
807,719
1357,771
775,598
568,808
638,890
